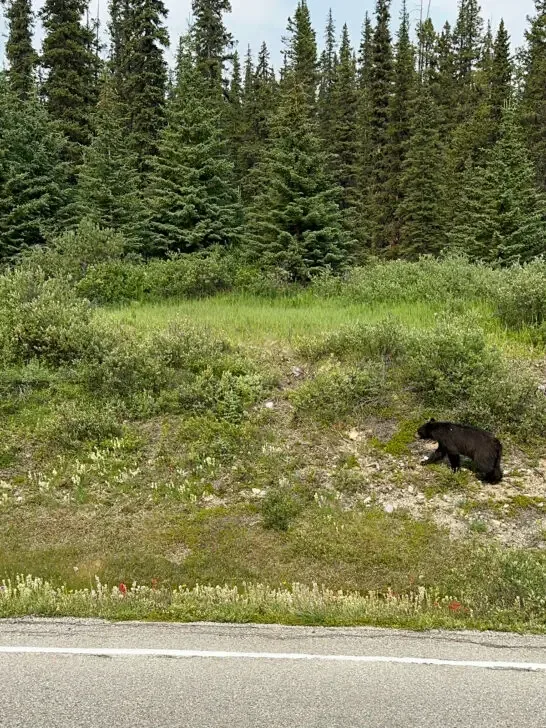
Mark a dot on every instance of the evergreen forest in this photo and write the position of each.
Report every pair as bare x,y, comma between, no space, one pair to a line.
411,140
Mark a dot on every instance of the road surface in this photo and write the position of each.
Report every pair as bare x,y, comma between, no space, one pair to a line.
91,674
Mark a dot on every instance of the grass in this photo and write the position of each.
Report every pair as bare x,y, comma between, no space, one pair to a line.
251,464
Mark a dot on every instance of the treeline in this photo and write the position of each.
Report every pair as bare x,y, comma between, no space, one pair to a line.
431,141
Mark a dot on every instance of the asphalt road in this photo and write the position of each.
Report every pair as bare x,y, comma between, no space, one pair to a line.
89,674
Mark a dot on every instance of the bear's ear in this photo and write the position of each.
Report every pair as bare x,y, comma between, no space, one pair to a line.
432,419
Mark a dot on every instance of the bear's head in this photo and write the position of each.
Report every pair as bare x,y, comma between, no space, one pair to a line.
425,431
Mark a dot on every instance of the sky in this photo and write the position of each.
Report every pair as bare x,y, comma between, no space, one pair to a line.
253,21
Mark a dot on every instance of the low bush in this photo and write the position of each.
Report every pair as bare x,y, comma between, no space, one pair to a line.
520,298
279,508
336,393
76,422
385,341
41,318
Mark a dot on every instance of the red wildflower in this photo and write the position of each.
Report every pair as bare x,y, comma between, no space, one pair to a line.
454,606
122,588
155,582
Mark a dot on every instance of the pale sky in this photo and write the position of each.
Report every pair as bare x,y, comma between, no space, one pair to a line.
253,21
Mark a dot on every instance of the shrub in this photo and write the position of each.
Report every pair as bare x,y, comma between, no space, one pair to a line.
335,393
41,318
386,340
76,422
279,508
113,281
446,362
73,252
520,299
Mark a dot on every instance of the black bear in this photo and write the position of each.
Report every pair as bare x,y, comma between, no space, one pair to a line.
456,440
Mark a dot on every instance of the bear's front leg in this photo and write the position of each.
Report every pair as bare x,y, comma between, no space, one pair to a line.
436,457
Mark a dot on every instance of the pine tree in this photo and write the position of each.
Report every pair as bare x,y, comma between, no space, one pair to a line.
234,121
444,83
421,210
69,88
108,185
362,225
192,197
501,74
426,59
144,75
399,127
365,56
381,90
502,215
301,53
258,109
342,140
213,43
19,51
534,93
295,223
467,44
33,180
328,64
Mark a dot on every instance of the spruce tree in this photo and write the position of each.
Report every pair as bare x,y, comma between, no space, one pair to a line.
467,45
19,51
234,119
192,198
381,90
534,93
144,75
108,191
328,64
301,53
363,227
501,74
258,108
342,140
426,57
213,43
444,82
295,223
67,56
33,179
399,127
421,209
501,214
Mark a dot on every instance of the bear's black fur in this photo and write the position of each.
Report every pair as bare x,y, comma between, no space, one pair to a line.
456,440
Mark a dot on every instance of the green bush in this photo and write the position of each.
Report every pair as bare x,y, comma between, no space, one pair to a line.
71,254
41,318
520,298
279,508
76,422
446,362
385,341
335,393
428,279
114,281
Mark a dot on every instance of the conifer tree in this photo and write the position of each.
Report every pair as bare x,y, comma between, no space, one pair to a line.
192,197
19,51
342,140
301,53
234,119
108,191
426,58
212,41
295,223
534,93
444,83
467,45
328,64
67,56
362,225
144,75
399,127
421,209
381,90
501,74
33,179
258,109
502,215
365,56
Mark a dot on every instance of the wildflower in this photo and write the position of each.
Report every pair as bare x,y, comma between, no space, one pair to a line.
122,588
155,582
454,606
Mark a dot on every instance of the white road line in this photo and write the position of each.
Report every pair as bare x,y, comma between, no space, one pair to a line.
133,652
